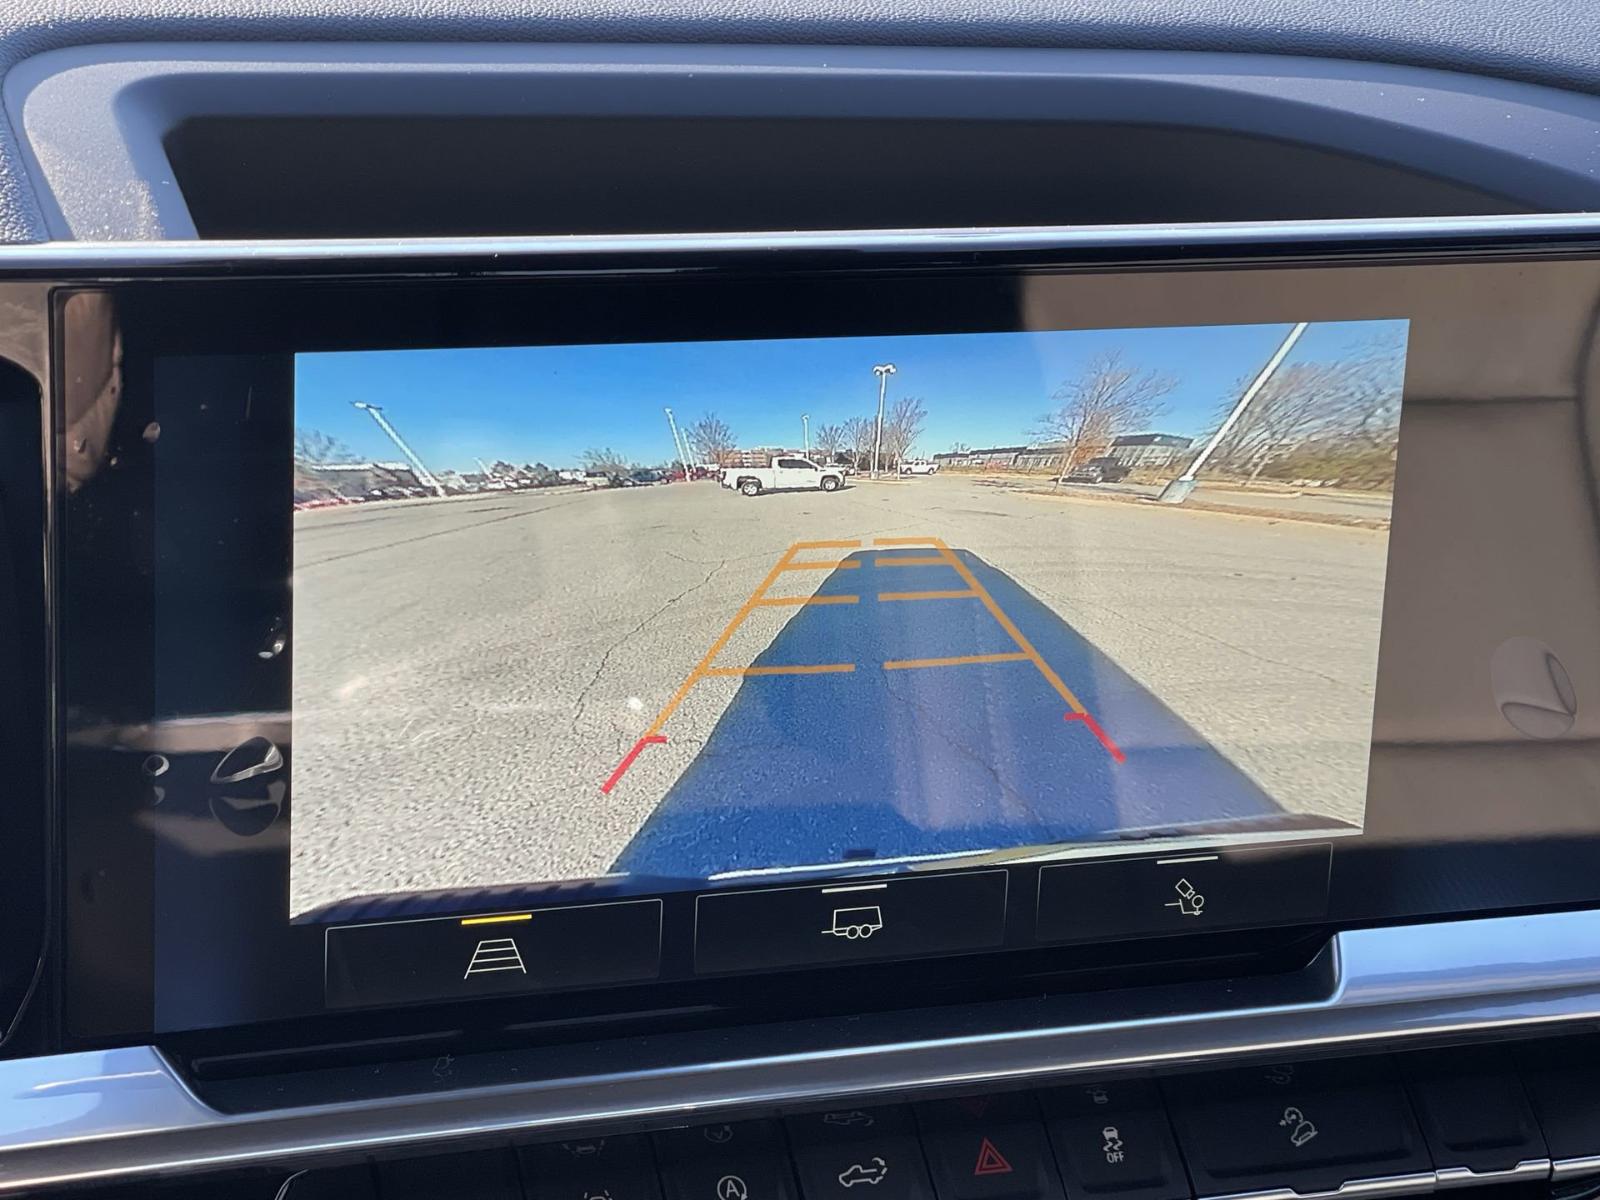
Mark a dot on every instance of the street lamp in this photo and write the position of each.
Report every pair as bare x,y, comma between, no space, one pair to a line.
1178,490
882,371
424,476
805,432
679,444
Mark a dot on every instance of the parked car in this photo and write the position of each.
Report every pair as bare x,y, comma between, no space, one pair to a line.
919,467
1098,470
784,475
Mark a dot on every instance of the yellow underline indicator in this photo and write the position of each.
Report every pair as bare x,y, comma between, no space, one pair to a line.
909,664
799,601
818,669
504,920
957,594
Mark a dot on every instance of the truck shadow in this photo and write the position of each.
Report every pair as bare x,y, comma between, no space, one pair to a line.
931,757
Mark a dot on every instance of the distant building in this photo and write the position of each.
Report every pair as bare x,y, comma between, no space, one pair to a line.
1149,449
351,480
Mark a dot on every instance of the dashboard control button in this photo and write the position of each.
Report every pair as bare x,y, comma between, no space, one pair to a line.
456,958
474,1175
1560,1081
1183,892
1127,1153
1473,1111
607,1168
905,917
863,1166
1310,1127
1112,1138
964,1111
988,1160
742,1160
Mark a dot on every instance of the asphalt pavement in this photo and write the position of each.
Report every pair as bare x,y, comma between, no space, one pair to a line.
535,686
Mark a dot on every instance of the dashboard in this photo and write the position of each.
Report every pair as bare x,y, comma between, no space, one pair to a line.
799,602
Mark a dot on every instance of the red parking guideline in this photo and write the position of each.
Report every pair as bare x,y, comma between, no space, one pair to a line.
627,761
1094,728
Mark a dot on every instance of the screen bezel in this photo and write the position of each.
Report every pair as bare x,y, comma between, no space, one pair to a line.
318,312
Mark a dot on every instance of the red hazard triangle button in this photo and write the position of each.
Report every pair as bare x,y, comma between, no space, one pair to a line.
990,1161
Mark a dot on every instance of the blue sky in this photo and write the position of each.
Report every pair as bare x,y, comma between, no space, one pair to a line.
550,403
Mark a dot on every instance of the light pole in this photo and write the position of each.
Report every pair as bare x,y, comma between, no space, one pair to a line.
805,432
1178,490
882,371
677,442
424,476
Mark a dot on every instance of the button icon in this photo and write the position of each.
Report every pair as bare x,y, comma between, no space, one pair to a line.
990,1161
731,1187
873,1172
1189,902
1300,1130
1281,1074
495,954
718,1135
856,923
850,1118
1097,1094
1112,1148
602,1194
584,1149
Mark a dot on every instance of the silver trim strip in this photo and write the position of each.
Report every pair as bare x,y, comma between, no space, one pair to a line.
1564,1169
1385,1185
124,1113
348,253
1527,1170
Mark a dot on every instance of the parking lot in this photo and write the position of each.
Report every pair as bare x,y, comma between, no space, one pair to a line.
677,681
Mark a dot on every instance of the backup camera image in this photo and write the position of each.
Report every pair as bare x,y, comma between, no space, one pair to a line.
666,613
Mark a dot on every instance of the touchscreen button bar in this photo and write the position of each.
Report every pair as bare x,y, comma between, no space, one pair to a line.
849,922
1183,892
456,958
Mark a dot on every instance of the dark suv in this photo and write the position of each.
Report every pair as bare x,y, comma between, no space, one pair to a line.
1098,470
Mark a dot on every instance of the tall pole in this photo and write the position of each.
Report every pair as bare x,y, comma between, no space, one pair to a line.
805,432
1178,490
424,476
882,371
683,453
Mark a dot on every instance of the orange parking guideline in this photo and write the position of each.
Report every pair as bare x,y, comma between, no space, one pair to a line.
909,664
817,669
995,611
716,647
958,594
758,599
801,601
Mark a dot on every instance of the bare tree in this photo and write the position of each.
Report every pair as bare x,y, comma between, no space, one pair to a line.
902,428
1342,414
1111,397
314,446
713,440
828,441
858,437
605,459
960,448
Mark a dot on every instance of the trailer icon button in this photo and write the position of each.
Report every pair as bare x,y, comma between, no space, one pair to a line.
854,923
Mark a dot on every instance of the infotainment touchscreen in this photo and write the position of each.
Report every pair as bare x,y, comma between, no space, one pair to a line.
773,633
673,613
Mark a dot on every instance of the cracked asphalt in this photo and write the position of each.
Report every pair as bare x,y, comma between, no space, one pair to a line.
468,672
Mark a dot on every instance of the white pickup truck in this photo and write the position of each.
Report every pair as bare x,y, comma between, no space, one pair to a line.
784,475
